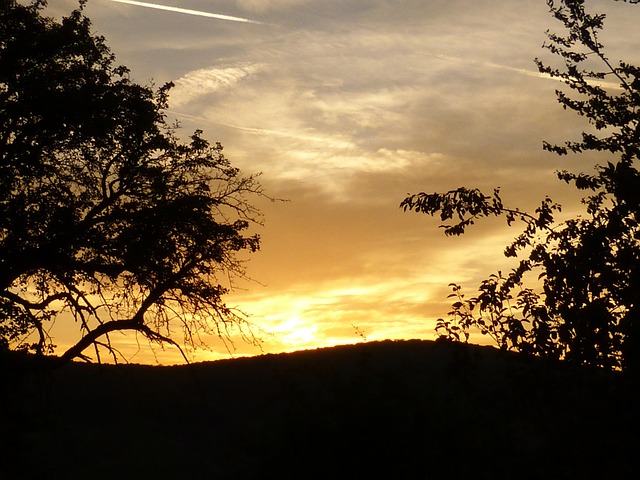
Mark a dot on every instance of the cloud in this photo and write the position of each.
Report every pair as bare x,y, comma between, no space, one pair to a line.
330,164
186,11
205,81
261,6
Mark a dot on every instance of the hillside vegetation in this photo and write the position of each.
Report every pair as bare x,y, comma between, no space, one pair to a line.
394,409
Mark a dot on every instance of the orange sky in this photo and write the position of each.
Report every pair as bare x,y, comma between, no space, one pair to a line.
346,107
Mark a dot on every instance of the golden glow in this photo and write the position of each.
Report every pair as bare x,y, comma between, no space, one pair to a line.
295,332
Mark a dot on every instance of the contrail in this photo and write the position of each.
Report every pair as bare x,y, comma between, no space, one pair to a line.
187,11
523,71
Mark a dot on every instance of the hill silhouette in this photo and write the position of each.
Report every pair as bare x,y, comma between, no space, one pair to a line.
393,409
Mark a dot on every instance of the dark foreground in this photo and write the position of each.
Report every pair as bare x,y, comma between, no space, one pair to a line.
378,410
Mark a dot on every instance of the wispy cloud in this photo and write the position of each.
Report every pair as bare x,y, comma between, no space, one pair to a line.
187,11
198,83
521,71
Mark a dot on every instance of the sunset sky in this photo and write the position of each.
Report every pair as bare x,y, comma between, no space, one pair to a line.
345,107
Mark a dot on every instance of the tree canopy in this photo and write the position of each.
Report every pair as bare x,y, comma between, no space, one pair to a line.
107,218
586,307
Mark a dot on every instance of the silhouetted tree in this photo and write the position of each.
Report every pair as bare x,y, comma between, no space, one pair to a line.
107,219
588,307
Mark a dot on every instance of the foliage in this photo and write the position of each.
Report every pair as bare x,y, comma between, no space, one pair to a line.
588,308
107,219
